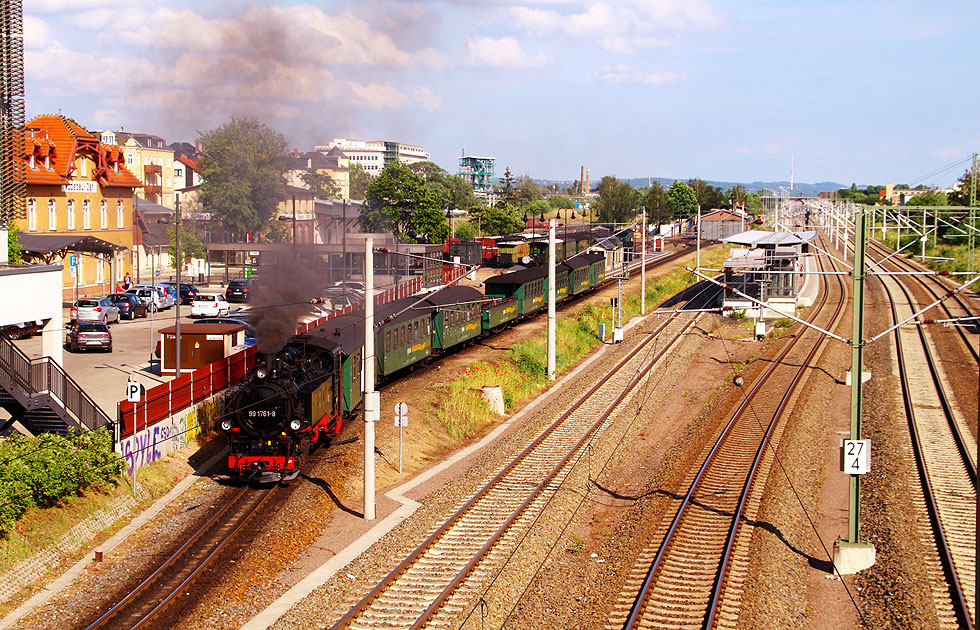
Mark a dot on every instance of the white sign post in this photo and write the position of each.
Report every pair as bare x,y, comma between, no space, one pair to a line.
855,456
401,420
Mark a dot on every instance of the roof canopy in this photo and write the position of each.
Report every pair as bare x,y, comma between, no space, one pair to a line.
758,238
47,246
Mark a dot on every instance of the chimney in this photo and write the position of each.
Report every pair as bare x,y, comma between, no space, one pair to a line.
197,146
581,182
588,184
295,152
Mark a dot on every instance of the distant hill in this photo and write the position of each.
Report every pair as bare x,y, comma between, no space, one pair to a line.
799,188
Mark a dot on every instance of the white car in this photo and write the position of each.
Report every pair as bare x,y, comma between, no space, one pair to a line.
153,298
209,305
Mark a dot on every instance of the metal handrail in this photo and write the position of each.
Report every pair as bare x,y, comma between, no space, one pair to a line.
44,376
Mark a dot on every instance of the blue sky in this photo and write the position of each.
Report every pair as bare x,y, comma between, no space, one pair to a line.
863,91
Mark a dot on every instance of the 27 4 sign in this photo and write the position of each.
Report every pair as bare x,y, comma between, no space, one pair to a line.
855,456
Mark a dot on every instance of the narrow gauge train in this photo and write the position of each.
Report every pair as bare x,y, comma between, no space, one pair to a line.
298,398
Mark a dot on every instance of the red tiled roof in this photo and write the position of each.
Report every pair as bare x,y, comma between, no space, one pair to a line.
721,215
59,139
194,164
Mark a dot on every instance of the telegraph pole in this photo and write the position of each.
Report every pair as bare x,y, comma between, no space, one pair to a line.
971,247
643,268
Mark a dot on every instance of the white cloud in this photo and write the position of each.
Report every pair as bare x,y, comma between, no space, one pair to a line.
505,52
427,99
621,27
37,33
68,6
378,96
625,73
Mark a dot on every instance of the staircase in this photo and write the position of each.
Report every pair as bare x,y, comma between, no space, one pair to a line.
42,396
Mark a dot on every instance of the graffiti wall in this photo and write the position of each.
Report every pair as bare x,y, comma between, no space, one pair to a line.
153,442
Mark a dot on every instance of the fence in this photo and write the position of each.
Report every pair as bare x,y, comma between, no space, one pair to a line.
166,399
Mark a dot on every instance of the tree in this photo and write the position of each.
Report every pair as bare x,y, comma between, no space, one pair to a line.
737,195
657,204
683,203
320,184
502,218
429,171
560,202
242,166
709,197
359,181
465,231
398,200
15,251
527,191
618,200
962,190
934,198
190,243
452,191
508,182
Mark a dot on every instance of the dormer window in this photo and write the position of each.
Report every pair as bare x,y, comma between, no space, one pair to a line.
31,161
47,161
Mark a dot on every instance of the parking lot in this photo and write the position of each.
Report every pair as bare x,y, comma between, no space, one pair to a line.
103,375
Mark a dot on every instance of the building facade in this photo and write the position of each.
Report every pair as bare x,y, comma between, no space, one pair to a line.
334,163
375,154
151,160
79,186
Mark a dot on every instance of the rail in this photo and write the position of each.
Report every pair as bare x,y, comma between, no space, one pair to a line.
46,377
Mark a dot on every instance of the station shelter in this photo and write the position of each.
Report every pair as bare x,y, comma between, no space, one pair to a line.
770,268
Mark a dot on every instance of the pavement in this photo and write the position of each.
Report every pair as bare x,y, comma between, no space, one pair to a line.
102,375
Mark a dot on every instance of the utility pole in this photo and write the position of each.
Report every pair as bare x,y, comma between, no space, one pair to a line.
971,247
854,555
552,290
178,259
371,398
643,267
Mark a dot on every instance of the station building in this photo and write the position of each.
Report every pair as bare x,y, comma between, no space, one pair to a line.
79,205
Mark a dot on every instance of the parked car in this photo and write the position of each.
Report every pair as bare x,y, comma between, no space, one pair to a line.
239,291
88,335
249,331
187,291
209,305
169,293
23,329
100,309
154,298
130,306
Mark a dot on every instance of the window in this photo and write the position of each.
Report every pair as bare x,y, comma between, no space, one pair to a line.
119,213
31,215
71,214
103,214
52,215
100,273
81,166
178,172
86,215
416,336
403,336
387,341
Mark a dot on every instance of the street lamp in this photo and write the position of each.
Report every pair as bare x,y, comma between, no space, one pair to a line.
449,215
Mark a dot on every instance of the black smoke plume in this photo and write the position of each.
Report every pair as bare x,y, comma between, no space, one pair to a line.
281,299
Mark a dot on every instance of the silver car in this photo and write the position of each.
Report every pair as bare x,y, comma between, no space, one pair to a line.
153,298
169,294
95,309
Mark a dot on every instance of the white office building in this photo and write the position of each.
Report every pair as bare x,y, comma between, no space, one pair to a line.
373,155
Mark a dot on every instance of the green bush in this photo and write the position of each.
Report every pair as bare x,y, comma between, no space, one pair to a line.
49,469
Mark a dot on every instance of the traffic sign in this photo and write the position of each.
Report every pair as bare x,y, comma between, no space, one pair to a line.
134,391
855,456
401,415
73,260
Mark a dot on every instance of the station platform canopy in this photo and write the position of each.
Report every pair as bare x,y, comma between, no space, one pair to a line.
48,247
770,240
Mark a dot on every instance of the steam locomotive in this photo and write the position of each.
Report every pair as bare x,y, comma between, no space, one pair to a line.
297,398
286,406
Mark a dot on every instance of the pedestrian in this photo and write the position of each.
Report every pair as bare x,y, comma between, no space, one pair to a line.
127,282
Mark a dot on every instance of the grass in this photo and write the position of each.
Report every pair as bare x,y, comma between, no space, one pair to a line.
39,528
523,373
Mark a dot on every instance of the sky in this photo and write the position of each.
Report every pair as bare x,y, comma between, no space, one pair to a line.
866,92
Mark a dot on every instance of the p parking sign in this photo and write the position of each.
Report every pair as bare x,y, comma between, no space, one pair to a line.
134,391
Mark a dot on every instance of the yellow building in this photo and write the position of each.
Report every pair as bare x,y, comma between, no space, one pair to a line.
151,160
79,205
333,163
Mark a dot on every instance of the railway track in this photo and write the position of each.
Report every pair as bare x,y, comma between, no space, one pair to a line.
692,576
432,586
944,450
143,605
